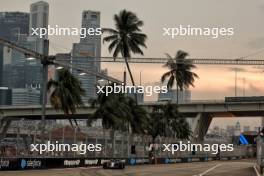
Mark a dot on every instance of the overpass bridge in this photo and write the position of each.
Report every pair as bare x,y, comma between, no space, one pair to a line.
201,112
217,108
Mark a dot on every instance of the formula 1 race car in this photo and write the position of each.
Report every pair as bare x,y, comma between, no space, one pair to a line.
114,164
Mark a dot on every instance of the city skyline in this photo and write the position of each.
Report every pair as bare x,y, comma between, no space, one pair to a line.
246,40
191,102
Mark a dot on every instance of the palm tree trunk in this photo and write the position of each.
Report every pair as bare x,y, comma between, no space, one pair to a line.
177,87
128,143
113,142
131,77
122,144
105,142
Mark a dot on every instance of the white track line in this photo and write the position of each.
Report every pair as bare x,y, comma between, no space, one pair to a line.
257,172
209,170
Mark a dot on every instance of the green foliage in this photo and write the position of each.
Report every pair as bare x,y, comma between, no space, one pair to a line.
127,36
180,70
119,112
167,121
66,92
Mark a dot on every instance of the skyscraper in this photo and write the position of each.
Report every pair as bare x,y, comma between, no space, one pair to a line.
39,16
89,48
91,19
17,71
183,95
12,24
25,96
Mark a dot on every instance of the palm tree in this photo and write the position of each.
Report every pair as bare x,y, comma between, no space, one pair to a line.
126,38
120,112
175,124
139,120
138,123
66,92
180,71
168,122
114,112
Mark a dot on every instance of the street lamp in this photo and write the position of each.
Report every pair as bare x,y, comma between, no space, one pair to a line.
30,58
59,68
81,74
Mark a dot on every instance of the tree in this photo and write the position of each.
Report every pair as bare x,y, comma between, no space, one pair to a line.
175,123
114,112
180,72
126,38
140,117
119,112
167,122
113,109
66,92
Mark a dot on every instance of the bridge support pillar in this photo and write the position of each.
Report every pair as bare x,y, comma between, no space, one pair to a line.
200,126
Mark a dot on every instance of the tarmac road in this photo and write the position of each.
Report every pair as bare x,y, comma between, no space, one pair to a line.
213,168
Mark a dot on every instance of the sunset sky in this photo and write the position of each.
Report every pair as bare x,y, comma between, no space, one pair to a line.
246,17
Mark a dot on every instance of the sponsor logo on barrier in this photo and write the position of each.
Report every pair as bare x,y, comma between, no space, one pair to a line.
30,163
174,160
72,162
4,164
91,162
142,161
23,163
34,163
133,161
104,161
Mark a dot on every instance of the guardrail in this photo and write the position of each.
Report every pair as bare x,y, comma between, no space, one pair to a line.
24,163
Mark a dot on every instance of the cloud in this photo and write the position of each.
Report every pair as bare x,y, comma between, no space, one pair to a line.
237,69
256,69
257,43
254,88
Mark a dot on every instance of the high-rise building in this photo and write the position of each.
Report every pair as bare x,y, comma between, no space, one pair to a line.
257,129
25,96
17,71
184,96
237,129
246,128
87,53
5,96
230,129
39,16
89,82
91,19
12,24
